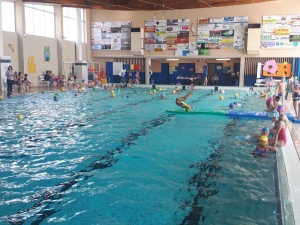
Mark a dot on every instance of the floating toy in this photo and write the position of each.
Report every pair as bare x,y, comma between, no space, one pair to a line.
43,92
20,117
236,95
221,97
63,89
0,98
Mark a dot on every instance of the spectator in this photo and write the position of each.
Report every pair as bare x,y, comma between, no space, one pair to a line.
47,77
28,84
198,79
10,80
215,79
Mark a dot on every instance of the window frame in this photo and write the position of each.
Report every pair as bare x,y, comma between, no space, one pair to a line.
14,17
37,7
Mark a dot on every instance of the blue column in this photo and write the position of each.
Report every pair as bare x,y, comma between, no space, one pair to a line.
293,67
298,68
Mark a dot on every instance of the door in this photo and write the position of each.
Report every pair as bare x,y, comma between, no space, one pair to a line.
218,69
164,73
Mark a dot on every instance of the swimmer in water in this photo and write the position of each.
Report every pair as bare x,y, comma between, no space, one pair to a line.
176,91
264,132
180,101
262,148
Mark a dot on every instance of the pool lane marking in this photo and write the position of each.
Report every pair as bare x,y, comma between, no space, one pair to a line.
64,186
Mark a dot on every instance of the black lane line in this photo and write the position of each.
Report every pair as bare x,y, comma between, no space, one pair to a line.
50,196
105,162
43,136
204,183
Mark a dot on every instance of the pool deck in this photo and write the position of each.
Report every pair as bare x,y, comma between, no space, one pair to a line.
290,153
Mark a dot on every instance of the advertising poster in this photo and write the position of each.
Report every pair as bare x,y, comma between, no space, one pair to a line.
166,34
222,32
280,31
111,35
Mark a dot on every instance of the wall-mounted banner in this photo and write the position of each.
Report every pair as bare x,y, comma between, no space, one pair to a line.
47,54
167,33
31,64
203,51
222,30
111,35
280,31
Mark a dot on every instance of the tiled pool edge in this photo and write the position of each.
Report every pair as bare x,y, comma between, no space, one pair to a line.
291,167
281,181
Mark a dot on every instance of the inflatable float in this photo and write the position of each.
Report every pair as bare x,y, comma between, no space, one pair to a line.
233,113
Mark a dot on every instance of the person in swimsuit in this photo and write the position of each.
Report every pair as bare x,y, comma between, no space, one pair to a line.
296,95
180,101
262,148
272,103
281,86
278,130
281,111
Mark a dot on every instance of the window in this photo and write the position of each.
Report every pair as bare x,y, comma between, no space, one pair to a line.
69,24
8,16
39,20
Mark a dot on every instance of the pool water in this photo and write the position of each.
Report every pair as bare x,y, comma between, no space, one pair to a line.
93,159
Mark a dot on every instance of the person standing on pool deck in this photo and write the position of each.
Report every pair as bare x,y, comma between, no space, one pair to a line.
180,101
10,80
281,86
205,73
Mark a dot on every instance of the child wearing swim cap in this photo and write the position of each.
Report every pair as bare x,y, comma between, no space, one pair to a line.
231,106
262,148
264,132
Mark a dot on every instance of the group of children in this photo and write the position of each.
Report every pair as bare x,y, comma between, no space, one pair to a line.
262,147
22,82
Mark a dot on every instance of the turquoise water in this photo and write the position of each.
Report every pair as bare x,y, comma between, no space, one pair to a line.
92,159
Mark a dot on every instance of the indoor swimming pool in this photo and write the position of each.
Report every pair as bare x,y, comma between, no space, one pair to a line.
93,159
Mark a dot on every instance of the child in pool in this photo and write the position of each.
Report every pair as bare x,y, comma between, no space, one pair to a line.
262,148
264,132
180,101
176,91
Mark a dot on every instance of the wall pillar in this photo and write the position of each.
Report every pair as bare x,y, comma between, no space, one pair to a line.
20,29
79,34
81,70
88,36
59,36
1,31
242,71
147,70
